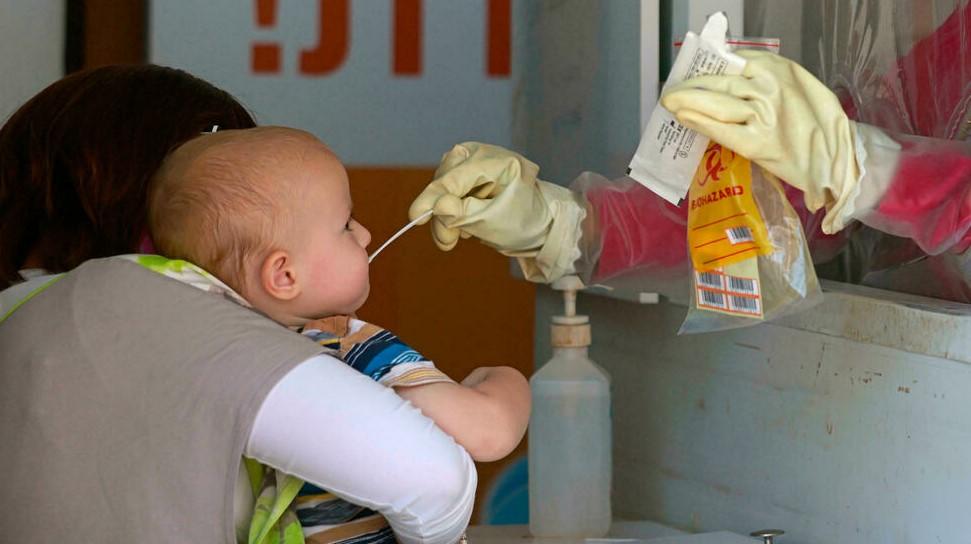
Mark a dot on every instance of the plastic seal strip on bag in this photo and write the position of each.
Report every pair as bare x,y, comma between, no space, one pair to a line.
750,261
744,42
669,152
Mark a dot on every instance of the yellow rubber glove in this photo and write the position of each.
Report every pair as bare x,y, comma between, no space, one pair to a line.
493,194
785,120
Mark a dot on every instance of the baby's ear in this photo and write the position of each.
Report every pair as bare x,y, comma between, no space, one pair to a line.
278,276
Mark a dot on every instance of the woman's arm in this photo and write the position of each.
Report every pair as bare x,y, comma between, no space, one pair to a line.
336,428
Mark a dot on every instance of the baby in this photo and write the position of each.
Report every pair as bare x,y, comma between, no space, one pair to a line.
268,212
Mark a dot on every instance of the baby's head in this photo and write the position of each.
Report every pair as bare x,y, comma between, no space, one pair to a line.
268,211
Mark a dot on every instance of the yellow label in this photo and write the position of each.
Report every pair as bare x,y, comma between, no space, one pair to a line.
724,223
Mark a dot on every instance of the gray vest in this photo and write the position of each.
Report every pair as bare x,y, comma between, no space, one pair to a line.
126,399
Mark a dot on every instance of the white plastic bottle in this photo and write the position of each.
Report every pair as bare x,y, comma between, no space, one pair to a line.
569,433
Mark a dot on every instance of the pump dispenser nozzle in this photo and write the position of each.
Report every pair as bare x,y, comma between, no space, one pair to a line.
570,329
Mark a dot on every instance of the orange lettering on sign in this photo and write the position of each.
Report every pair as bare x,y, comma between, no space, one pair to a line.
498,37
407,38
265,56
333,37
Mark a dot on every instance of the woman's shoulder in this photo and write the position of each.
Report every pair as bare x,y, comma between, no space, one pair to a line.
181,271
167,289
116,306
123,271
148,300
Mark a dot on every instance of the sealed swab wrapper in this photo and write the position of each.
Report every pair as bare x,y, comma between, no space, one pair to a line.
669,152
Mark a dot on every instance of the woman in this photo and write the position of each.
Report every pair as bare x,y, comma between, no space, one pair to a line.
128,399
912,187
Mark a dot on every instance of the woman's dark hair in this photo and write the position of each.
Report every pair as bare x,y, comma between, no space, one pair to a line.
76,160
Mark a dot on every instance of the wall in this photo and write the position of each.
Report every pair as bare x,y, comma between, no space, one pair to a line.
32,39
847,422
113,32
578,104
385,83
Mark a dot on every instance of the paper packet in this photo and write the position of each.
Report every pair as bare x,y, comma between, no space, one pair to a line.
669,152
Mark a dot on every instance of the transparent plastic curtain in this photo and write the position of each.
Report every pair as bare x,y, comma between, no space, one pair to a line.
903,66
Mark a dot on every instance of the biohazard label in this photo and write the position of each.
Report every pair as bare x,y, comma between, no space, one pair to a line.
724,222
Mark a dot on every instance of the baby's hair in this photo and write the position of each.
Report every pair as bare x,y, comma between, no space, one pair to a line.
216,202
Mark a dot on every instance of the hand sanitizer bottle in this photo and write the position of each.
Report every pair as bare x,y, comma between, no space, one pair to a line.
569,433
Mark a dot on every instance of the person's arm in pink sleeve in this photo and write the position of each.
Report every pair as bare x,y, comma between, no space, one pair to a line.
629,229
928,197
633,236
932,79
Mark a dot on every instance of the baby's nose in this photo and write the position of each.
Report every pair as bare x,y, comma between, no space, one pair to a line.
365,237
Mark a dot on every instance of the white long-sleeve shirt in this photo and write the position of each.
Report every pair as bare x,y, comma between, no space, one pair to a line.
373,448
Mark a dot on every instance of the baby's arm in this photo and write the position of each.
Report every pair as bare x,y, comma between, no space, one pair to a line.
487,413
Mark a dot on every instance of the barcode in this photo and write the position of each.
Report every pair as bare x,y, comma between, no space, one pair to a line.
744,304
738,235
711,298
710,279
742,285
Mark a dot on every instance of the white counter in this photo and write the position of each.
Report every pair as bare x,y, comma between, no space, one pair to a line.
622,532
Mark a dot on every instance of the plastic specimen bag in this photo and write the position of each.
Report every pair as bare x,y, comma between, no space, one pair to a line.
749,258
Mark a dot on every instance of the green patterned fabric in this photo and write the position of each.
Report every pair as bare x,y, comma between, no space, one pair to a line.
274,521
